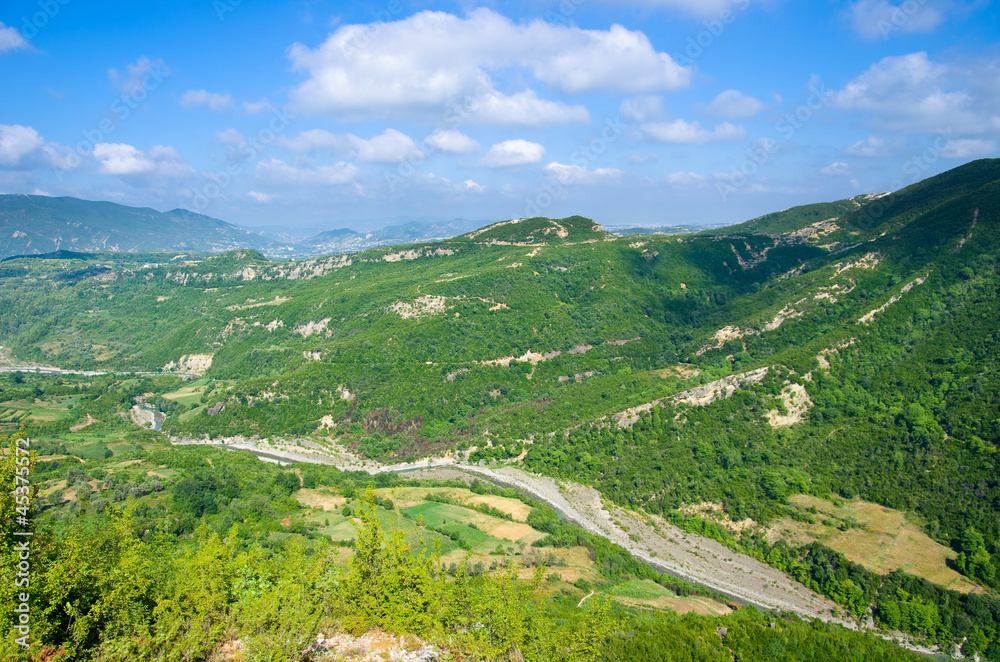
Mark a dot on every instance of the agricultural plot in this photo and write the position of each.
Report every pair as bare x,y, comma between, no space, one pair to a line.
645,594
880,539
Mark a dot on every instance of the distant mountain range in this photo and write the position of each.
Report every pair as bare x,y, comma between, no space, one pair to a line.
37,225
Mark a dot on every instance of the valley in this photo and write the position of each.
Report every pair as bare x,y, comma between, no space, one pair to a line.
797,414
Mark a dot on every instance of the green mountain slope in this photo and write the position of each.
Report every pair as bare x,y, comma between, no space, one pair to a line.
35,224
851,359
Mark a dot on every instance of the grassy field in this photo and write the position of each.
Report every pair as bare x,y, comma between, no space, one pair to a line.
643,593
189,394
880,539
463,534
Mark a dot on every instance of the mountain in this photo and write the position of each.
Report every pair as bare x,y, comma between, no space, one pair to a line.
344,240
816,389
34,224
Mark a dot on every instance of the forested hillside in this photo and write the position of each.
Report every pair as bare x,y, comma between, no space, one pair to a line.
771,385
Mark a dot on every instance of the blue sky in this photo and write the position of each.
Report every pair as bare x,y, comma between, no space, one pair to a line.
654,112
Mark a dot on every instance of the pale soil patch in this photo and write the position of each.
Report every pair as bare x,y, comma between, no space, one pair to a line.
716,513
796,402
90,420
698,396
722,336
815,231
868,261
317,499
887,541
311,328
255,303
190,363
785,313
869,316
681,370
423,306
476,233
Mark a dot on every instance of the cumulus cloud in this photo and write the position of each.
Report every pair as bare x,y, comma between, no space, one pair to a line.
471,185
256,107
23,148
910,93
127,161
262,198
574,174
642,158
879,19
217,103
451,141
276,172
435,60
691,133
732,104
871,146
512,153
968,148
682,179
11,39
390,146
836,169
139,75
699,8
17,142
642,108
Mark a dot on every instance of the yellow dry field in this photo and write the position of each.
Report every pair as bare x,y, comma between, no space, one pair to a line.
404,497
513,507
320,499
882,540
514,532
688,605
185,391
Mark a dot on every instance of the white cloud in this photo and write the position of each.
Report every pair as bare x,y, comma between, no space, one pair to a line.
643,108
23,148
878,19
641,159
525,108
471,185
262,198
836,169
732,104
276,172
390,146
692,133
11,39
125,160
17,142
871,146
966,148
513,152
699,8
451,141
683,179
910,93
140,75
217,103
435,61
574,174
256,107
